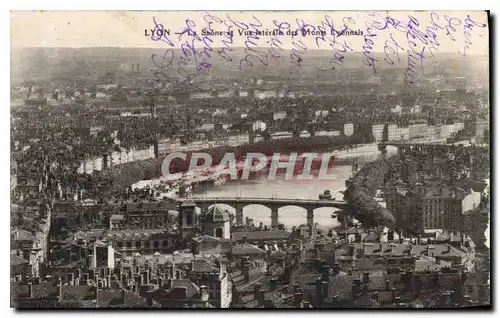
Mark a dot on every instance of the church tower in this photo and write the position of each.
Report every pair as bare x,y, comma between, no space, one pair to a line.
216,222
187,219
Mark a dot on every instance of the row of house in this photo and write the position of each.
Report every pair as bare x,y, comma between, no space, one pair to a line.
116,158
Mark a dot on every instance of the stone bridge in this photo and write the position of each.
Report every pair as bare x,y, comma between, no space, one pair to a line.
421,145
238,203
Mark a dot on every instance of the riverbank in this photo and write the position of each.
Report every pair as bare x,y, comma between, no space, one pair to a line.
127,174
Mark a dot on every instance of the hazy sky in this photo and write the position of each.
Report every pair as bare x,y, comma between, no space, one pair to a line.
126,29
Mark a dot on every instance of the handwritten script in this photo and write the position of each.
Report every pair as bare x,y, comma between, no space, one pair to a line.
380,39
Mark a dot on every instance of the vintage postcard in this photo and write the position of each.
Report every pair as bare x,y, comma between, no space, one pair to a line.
265,159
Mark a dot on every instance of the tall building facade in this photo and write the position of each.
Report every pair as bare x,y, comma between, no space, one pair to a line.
421,208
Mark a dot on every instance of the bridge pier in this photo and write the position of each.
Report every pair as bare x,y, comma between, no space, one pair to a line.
310,221
274,217
382,148
239,214
310,217
274,204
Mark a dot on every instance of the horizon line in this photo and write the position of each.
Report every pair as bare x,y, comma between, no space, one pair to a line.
213,48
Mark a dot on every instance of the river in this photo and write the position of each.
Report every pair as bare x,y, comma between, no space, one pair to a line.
294,189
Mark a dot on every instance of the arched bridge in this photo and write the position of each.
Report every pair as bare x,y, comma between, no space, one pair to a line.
238,203
421,145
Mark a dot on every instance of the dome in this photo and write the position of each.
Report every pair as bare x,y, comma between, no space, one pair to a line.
216,214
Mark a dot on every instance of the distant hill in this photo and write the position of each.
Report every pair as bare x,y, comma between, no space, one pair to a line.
60,63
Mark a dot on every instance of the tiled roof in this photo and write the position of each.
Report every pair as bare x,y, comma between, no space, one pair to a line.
216,214
117,217
443,192
405,249
114,298
78,292
177,292
476,186
177,258
276,255
21,235
246,249
148,205
206,239
188,203
262,235
139,233
17,260
473,280
203,266
425,263
44,289
340,286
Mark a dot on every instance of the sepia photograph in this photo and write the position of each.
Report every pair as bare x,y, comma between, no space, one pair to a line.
250,160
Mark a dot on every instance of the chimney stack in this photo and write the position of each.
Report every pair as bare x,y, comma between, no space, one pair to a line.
59,289
354,291
268,303
261,295
273,283
297,298
366,277
256,288
245,268
325,272
325,291
30,290
124,296
204,293
315,252
143,278
258,292
319,290
149,298
281,262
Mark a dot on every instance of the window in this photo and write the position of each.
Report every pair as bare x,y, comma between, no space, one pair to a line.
138,244
119,244
165,243
156,244
147,244
129,244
